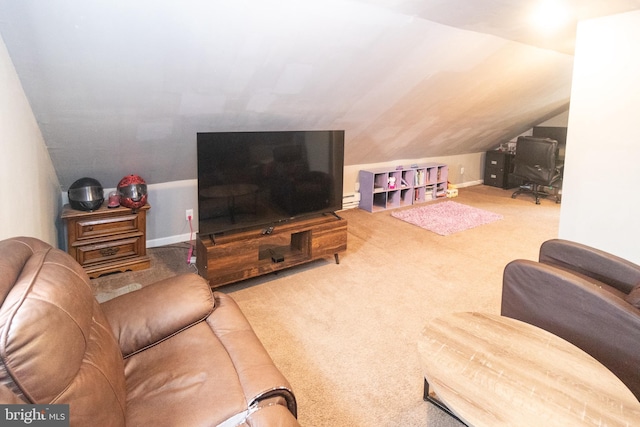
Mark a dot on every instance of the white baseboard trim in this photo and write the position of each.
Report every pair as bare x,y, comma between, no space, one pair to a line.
470,183
169,240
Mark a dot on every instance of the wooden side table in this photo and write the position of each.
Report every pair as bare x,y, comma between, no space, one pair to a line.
490,370
107,240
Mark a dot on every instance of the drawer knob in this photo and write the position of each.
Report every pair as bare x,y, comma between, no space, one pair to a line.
109,251
90,228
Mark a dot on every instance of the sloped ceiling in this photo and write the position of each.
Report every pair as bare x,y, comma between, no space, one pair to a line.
123,87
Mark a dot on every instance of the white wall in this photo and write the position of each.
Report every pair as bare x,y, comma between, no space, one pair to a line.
166,221
29,188
600,204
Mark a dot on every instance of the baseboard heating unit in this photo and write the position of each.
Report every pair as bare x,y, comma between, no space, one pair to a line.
350,200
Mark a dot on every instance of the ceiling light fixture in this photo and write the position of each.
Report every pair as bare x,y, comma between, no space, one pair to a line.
550,15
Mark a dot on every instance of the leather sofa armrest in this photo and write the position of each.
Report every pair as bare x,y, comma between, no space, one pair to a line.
7,397
602,266
576,308
260,378
145,317
271,416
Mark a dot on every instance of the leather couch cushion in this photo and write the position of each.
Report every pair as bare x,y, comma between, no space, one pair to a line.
237,375
55,343
135,320
171,375
634,297
597,264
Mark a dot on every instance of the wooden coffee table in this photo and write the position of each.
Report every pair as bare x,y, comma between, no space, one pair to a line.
489,370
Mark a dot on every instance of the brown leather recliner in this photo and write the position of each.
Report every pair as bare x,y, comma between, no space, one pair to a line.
170,354
583,295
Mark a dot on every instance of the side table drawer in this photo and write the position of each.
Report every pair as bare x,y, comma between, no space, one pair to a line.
109,251
107,240
92,228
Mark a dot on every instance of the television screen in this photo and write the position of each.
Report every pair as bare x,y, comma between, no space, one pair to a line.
257,179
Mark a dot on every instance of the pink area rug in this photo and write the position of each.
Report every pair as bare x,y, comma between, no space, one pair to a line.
446,218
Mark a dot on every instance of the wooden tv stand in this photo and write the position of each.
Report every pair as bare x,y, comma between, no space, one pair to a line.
224,259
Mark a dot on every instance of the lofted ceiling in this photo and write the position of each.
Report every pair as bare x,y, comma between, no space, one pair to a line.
122,87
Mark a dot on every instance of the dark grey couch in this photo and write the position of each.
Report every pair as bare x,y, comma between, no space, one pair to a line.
584,295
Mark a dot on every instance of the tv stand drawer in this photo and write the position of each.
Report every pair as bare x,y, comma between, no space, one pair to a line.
238,256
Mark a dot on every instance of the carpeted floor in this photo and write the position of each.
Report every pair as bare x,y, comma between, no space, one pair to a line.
166,261
346,335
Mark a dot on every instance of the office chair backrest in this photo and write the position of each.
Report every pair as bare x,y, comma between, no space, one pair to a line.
536,159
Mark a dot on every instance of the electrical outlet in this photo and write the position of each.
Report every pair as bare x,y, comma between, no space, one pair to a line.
188,214
461,170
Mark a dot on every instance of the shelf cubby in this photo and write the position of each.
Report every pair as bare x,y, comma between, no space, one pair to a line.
379,201
411,185
393,199
406,196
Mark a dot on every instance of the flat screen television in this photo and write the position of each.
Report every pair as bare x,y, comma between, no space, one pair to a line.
259,179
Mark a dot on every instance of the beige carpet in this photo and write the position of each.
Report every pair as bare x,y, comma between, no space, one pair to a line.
346,335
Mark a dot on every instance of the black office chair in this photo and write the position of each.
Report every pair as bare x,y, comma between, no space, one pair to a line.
536,166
